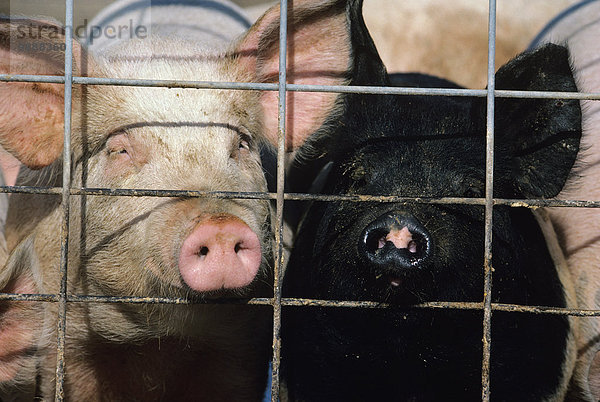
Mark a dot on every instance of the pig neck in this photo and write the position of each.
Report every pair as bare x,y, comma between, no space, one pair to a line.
178,368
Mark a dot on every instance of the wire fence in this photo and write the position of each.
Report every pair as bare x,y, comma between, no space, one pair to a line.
63,298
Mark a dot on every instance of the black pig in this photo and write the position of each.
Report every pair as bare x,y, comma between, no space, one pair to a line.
409,253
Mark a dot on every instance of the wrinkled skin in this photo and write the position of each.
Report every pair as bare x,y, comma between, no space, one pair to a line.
435,147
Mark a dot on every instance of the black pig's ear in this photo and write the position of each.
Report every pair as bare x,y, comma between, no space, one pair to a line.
368,68
541,135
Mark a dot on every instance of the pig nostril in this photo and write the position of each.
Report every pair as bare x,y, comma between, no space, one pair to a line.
375,240
237,247
418,245
413,247
203,251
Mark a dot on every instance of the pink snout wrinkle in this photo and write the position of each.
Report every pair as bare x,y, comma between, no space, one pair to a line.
221,252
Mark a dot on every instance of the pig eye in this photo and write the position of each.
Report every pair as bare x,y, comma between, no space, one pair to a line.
244,145
118,144
473,189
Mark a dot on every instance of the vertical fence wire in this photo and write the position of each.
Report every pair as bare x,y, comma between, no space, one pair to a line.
66,193
279,257
489,206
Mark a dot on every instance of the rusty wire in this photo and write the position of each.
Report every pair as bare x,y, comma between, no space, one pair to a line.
61,325
300,302
489,206
130,192
279,256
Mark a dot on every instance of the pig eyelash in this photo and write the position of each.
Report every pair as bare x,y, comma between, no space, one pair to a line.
118,151
116,147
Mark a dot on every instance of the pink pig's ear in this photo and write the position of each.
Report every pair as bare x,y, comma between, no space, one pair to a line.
318,53
20,321
31,114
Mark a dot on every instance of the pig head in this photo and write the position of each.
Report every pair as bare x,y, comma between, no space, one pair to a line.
406,253
197,249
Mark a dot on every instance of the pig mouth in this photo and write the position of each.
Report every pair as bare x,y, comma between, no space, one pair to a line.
395,281
403,290
223,295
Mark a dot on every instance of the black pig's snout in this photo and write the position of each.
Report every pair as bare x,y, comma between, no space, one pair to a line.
397,241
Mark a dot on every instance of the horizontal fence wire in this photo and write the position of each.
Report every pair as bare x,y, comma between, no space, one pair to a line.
246,86
300,302
129,192
66,191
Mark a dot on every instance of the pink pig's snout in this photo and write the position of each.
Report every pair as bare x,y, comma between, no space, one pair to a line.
220,252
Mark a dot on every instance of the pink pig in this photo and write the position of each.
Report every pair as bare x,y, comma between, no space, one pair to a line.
192,248
579,228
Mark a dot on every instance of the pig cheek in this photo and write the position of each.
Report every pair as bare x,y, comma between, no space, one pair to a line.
118,168
105,170
594,376
158,236
166,274
172,229
17,329
251,175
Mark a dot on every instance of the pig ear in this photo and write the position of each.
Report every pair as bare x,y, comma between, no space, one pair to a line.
319,53
20,322
31,114
543,134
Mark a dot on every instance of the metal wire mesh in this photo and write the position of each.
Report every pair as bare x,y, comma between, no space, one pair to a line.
66,191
